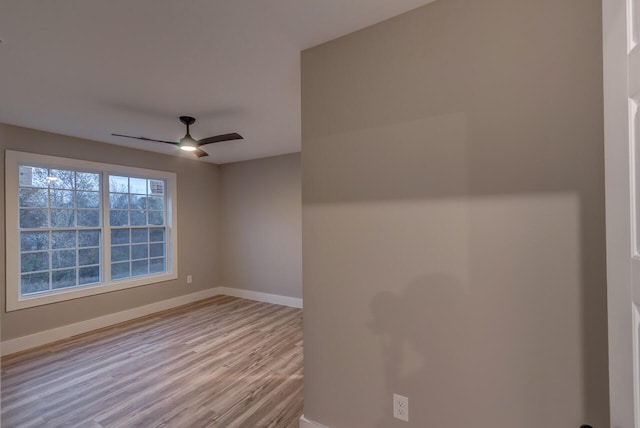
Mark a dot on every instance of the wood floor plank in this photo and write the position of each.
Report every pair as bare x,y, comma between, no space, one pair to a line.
221,362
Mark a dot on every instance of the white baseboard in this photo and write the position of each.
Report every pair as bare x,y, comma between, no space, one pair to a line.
262,297
306,423
18,344
42,338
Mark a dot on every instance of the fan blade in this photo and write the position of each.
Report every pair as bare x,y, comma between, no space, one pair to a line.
146,139
200,153
220,138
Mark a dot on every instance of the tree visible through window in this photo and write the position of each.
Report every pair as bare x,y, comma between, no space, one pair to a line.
75,226
136,204
59,245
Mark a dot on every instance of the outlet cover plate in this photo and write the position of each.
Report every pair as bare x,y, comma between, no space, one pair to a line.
401,407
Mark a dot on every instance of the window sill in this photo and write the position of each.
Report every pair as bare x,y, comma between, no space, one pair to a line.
15,303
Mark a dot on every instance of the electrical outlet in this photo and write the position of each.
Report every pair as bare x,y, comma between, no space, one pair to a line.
401,407
189,279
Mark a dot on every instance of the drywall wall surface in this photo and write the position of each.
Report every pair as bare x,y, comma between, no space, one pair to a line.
198,251
453,219
261,225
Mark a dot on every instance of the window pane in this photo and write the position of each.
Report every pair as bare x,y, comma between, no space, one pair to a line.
33,262
120,270
118,184
61,198
34,282
89,275
88,238
88,256
156,234
65,239
30,176
87,181
119,218
31,241
88,218
139,251
63,259
63,218
156,250
62,215
30,218
138,218
156,187
156,217
88,199
61,179
118,201
139,235
138,186
33,198
156,203
156,265
140,267
120,236
63,278
137,202
120,253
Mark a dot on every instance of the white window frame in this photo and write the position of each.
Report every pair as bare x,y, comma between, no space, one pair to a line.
13,160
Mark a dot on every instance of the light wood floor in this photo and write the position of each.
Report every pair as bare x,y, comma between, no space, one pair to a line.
222,362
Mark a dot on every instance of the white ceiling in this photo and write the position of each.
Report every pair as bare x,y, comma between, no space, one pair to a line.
89,68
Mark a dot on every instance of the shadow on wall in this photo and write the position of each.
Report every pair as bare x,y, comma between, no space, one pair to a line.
453,174
439,348
420,332
506,312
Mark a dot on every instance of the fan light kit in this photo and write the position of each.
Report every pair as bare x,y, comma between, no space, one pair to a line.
188,143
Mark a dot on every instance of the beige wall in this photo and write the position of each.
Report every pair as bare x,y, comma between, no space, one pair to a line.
453,218
198,252
261,230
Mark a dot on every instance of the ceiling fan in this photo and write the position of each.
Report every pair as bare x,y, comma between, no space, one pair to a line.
188,143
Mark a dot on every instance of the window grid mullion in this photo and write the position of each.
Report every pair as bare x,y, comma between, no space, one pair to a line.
129,223
77,237
50,273
106,228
